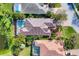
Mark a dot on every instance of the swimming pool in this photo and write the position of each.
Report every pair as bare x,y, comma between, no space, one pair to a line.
17,7
20,24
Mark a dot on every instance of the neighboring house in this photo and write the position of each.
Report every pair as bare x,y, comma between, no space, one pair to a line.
33,8
48,48
38,26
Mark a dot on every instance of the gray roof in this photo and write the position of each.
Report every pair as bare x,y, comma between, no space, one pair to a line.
37,26
36,31
32,8
40,22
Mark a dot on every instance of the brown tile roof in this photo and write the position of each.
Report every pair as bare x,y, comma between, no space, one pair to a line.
50,48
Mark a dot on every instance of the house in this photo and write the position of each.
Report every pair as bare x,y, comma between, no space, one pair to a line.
31,8
34,8
37,26
48,48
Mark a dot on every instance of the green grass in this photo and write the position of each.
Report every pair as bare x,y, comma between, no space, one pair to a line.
4,52
7,54
25,52
67,32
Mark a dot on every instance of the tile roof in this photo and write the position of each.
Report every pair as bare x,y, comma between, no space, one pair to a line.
39,22
32,8
50,48
37,26
35,31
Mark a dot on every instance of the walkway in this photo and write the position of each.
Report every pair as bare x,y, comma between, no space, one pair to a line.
74,52
72,18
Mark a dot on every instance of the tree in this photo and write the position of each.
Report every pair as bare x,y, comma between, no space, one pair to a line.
6,31
18,41
17,16
69,37
54,5
48,14
59,16
76,41
6,28
69,43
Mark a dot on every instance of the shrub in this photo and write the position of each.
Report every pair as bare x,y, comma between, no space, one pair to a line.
16,48
54,5
68,36
77,41
77,6
49,14
69,43
28,40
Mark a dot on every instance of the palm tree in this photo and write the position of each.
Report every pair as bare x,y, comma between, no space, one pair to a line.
59,16
17,16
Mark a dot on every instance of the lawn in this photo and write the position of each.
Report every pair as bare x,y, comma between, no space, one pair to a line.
5,52
24,52
67,32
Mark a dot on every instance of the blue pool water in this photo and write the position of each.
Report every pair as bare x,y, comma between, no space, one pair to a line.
36,49
20,24
17,7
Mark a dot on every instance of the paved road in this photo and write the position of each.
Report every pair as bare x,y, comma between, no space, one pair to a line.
72,18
